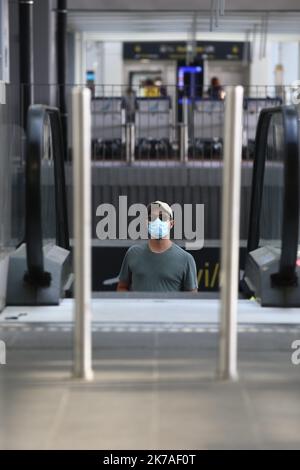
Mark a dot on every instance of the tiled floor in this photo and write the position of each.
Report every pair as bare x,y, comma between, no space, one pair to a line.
156,311
152,389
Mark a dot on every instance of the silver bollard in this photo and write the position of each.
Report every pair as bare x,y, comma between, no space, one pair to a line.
123,123
183,142
81,131
184,131
130,142
230,233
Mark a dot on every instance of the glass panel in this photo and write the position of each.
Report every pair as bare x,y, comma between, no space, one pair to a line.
48,188
272,198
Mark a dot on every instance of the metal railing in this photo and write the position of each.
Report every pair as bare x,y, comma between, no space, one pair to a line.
166,125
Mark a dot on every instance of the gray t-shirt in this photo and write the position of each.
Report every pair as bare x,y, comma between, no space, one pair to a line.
172,270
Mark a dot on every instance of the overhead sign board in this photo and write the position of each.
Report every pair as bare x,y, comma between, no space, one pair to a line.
210,50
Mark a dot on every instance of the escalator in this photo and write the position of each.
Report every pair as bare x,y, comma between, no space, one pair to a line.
40,271
272,269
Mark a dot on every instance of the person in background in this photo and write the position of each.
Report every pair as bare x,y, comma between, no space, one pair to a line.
150,89
158,265
216,91
130,104
163,91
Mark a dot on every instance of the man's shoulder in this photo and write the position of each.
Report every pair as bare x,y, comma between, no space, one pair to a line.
183,253
179,250
137,248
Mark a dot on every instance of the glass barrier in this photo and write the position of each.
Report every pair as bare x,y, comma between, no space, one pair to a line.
271,217
48,202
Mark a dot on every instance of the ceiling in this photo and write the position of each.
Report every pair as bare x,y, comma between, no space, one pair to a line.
182,22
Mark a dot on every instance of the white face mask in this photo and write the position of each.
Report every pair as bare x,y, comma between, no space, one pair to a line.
158,229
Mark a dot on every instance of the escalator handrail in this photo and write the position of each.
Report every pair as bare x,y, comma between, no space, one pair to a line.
290,221
37,118
62,228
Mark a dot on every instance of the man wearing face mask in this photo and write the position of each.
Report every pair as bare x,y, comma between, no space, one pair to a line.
158,265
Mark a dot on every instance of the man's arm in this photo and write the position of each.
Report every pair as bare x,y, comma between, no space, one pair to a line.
122,287
125,274
193,290
190,275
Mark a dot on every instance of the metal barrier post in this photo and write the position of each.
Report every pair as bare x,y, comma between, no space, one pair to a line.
123,121
230,232
81,131
130,142
183,142
183,132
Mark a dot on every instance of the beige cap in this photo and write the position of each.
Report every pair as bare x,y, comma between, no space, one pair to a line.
165,207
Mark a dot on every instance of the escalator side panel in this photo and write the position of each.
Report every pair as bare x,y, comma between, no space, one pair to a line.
261,264
56,262
272,274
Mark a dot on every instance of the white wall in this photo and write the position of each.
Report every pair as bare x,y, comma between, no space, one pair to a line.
259,68
94,59
105,58
112,63
284,52
290,62
229,72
